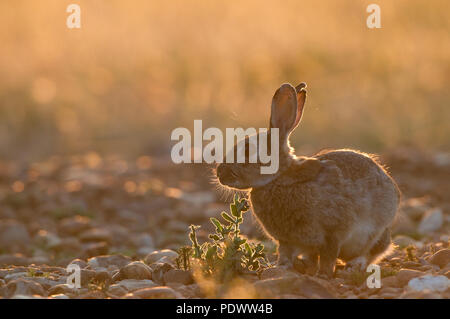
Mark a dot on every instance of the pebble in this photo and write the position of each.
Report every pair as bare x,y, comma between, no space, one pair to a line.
95,249
275,272
134,284
431,221
134,270
155,256
25,287
107,260
403,241
81,263
61,289
59,296
154,293
159,270
117,290
96,235
390,281
306,286
71,226
16,259
405,275
441,258
429,282
14,236
178,276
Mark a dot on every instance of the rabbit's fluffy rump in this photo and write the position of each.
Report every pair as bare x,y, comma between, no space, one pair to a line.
351,202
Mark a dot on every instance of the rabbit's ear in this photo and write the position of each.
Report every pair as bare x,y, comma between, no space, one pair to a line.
287,108
301,99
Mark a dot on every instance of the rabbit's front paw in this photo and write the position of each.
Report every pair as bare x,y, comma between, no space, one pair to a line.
306,264
285,254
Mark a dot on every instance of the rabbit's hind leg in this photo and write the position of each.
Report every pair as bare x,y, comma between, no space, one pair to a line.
381,244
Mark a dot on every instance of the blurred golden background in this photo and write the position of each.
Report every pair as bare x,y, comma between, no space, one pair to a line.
138,69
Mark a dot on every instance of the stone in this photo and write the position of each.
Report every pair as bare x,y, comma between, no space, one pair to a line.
117,290
39,260
96,235
390,281
108,260
403,224
154,293
95,249
16,275
103,277
412,265
59,296
47,239
413,294
414,208
135,270
18,296
46,283
143,240
292,296
178,276
14,236
189,291
25,287
155,256
429,282
159,270
134,284
144,251
81,263
61,289
87,276
305,286
405,275
275,272
403,241
431,221
199,199
96,294
71,226
441,258
16,260
67,244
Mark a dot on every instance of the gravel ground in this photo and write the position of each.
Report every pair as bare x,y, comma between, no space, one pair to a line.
121,221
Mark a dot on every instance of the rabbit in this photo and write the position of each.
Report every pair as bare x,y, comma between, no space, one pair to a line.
335,204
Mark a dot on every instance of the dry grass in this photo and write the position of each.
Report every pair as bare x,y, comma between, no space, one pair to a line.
138,69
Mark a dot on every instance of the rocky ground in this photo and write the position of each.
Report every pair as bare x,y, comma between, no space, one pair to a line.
121,221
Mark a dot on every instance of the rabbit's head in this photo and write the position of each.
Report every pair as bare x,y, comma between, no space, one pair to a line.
286,113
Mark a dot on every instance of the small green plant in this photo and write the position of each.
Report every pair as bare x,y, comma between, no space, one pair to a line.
228,253
411,253
183,259
32,272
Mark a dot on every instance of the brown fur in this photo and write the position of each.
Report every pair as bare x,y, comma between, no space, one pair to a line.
336,204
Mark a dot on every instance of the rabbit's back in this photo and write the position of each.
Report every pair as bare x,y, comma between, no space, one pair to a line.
351,196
